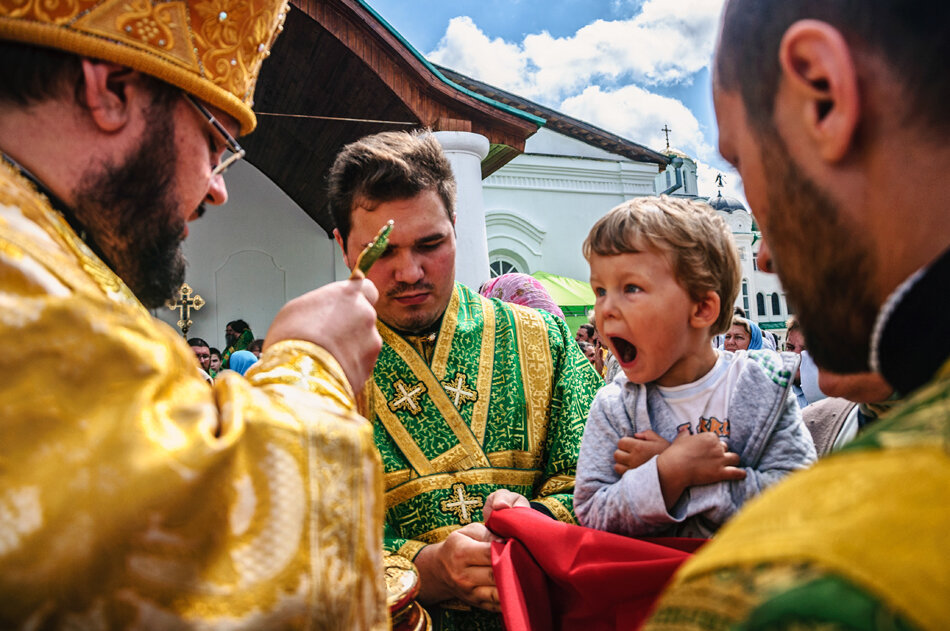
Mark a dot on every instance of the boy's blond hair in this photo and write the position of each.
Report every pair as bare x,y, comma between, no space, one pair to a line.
695,240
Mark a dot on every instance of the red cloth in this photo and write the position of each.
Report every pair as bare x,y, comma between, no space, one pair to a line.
552,575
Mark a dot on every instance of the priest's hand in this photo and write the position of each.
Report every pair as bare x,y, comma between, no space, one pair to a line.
339,317
503,498
459,567
633,451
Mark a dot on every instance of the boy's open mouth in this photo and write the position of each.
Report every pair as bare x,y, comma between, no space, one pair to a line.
626,351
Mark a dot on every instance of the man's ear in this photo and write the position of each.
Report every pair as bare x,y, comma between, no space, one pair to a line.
108,90
705,311
339,240
819,86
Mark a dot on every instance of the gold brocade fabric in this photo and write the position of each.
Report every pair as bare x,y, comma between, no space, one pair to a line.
132,496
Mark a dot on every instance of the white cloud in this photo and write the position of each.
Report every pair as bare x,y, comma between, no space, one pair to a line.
636,113
666,42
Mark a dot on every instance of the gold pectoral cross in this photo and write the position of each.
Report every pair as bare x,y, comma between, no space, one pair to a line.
185,303
459,390
460,506
406,397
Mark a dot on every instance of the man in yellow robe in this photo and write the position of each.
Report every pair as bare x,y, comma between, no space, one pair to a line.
131,494
836,117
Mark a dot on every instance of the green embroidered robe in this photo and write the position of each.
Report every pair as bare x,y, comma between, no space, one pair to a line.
502,404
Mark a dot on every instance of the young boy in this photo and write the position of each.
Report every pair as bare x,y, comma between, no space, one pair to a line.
679,440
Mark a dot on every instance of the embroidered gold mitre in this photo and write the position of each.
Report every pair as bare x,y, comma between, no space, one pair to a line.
211,48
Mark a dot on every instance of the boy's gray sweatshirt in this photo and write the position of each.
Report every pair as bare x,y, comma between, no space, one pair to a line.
766,430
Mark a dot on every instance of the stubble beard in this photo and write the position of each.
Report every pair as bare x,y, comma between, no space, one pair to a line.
822,263
131,212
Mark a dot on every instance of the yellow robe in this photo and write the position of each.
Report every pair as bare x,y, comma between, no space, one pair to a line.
132,495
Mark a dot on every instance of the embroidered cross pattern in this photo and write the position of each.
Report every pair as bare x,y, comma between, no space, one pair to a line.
459,390
462,502
406,397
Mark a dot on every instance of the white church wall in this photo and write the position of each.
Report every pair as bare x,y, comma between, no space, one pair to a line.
251,255
560,198
548,142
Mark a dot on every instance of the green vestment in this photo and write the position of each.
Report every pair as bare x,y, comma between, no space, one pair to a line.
502,403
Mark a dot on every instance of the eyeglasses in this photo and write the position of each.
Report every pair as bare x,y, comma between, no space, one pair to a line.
236,151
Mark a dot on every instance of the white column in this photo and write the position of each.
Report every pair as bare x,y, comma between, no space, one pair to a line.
465,152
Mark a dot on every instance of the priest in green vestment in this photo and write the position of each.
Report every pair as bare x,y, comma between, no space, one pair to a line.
475,403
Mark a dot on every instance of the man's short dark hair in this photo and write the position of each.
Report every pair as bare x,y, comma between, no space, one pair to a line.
386,167
239,326
214,352
590,329
911,36
197,341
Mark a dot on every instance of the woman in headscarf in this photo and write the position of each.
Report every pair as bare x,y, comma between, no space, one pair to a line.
241,361
521,289
744,334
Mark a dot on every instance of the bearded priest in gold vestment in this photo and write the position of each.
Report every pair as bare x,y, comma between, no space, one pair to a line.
132,496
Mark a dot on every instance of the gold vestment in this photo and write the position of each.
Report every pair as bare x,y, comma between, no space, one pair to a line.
133,496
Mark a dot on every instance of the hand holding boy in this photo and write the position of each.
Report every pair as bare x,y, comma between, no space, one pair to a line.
695,459
633,451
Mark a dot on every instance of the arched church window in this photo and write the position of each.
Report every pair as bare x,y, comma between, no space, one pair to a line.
760,303
776,305
502,266
745,296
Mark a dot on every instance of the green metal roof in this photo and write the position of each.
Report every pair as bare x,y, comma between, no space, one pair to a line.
537,120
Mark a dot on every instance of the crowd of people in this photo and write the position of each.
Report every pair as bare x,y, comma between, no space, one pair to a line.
392,414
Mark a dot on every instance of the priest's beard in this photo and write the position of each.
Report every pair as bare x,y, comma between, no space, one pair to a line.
132,213
822,263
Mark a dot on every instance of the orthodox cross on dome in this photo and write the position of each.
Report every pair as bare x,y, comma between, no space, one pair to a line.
666,130
406,397
185,304
459,390
720,182
460,506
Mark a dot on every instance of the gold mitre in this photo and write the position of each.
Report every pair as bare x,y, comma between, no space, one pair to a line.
210,48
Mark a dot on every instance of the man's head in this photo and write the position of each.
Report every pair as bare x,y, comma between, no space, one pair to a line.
407,178
202,352
256,347
665,273
233,331
131,139
585,333
215,363
812,97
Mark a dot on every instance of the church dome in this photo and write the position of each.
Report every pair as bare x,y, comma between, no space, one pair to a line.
726,204
676,153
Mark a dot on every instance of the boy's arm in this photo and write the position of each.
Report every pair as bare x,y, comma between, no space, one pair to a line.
694,460
789,448
629,504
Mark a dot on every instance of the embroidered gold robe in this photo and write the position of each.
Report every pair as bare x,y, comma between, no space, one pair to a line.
501,404
132,495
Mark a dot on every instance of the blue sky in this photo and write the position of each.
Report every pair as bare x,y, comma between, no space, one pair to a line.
628,66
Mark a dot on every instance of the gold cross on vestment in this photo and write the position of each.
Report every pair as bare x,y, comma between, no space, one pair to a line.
185,303
460,506
459,390
406,399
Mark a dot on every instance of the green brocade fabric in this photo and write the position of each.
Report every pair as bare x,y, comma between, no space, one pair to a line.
243,341
501,404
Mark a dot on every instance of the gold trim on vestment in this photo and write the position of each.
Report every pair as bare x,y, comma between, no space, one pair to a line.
438,534
557,484
443,345
400,434
410,549
418,486
395,478
513,459
534,353
486,364
557,509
